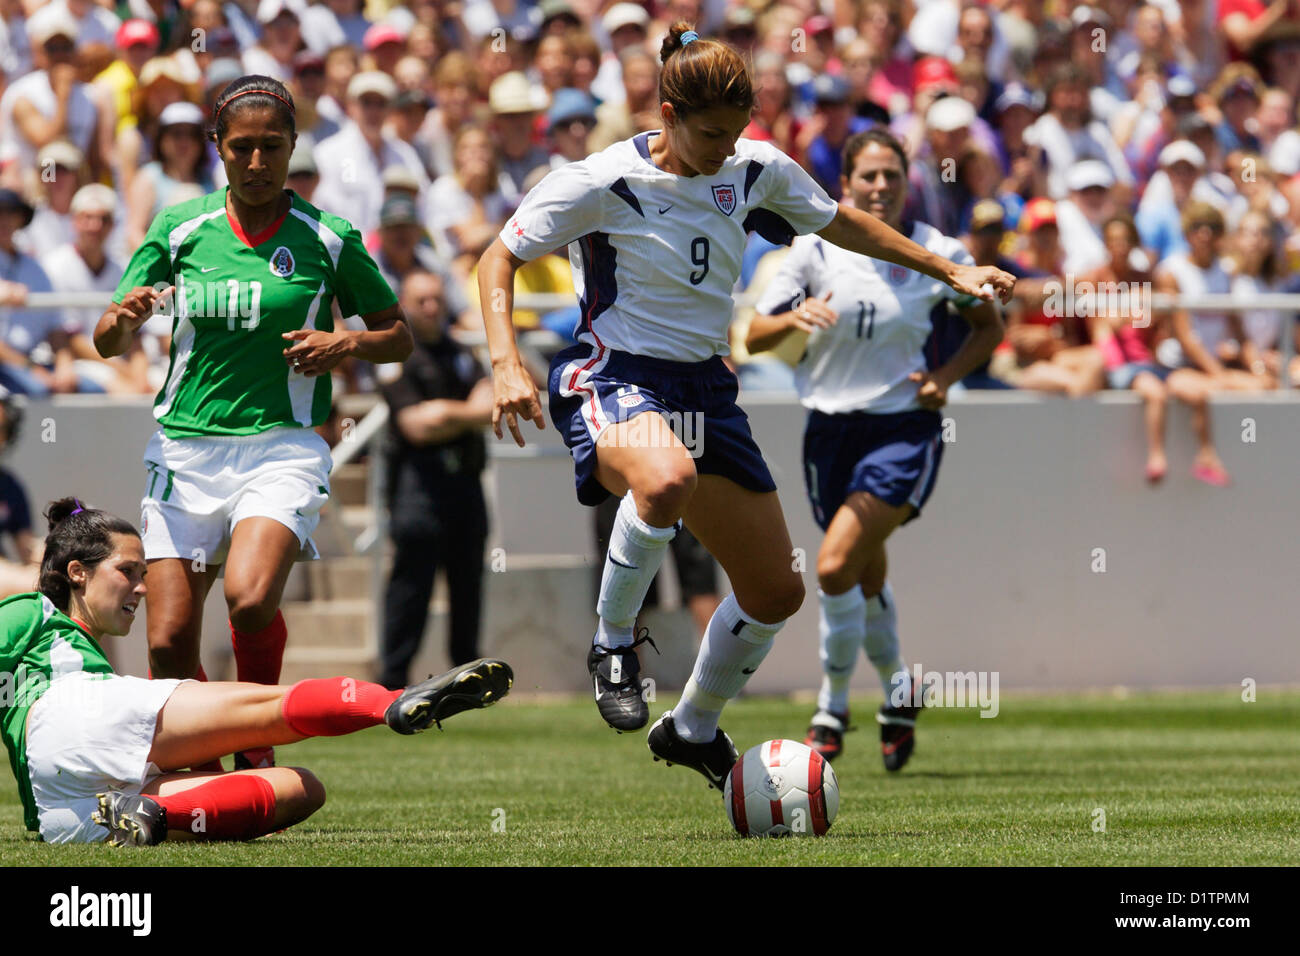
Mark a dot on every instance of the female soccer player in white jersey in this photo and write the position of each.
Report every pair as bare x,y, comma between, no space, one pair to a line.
236,476
98,756
656,226
873,375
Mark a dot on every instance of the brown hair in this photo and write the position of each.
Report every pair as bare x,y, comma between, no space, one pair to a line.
1125,220
702,75
1197,212
80,534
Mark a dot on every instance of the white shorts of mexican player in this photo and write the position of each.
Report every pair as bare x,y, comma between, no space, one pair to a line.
89,733
198,489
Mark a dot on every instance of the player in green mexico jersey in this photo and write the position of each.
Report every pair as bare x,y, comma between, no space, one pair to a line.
235,475
98,756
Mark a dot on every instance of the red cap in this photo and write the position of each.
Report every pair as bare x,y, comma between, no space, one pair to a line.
382,33
1037,213
137,31
932,71
818,23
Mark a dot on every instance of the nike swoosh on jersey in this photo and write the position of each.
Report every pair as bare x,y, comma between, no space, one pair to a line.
206,268
664,209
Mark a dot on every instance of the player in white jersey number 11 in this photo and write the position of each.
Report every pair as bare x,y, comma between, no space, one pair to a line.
876,368
655,227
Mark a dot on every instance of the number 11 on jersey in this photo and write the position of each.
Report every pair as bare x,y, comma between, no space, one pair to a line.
867,315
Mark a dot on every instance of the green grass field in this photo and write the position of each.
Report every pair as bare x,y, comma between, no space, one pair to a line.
1184,778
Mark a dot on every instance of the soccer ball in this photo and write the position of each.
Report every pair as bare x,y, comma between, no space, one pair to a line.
781,788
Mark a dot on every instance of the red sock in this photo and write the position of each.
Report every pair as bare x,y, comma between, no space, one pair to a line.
258,654
238,806
331,706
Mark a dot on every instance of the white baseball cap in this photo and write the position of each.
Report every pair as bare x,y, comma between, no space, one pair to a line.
950,113
1182,151
268,10
372,81
51,20
95,196
625,14
1088,173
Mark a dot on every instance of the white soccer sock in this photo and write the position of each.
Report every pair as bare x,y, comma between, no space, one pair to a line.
843,628
636,550
883,650
734,645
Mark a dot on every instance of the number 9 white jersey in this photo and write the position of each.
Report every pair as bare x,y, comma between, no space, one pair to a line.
655,256
886,314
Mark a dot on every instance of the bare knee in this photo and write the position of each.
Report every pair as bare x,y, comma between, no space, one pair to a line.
665,494
174,649
253,608
298,794
777,600
834,575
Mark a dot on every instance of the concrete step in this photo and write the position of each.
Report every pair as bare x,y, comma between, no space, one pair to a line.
306,663
339,578
336,625
348,484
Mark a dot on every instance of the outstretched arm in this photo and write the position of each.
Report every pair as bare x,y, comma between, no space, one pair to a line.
514,390
866,235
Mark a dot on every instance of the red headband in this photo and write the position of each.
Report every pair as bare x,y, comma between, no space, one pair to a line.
246,92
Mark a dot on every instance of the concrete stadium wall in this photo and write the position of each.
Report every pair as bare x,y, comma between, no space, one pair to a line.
998,575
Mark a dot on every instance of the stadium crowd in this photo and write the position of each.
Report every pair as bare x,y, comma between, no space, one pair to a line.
1145,145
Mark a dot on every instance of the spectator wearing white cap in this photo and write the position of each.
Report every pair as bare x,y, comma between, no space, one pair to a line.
50,102
85,265
178,170
1068,133
164,80
627,25
481,17
281,38
938,197
1159,215
1080,216
353,160
515,104
59,169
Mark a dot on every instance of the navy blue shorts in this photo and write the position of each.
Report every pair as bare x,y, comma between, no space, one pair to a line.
592,388
893,457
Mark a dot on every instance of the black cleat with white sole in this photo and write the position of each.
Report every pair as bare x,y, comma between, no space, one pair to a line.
131,819
471,686
714,759
826,733
897,734
614,673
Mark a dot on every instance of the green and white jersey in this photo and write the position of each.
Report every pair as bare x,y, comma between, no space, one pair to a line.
235,297
38,645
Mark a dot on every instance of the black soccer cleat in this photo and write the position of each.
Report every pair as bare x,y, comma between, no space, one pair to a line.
826,733
614,672
132,819
478,684
897,734
714,759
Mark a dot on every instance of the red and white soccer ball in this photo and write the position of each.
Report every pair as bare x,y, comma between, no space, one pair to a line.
781,788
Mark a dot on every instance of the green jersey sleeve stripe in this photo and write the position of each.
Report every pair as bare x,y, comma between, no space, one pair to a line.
183,231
